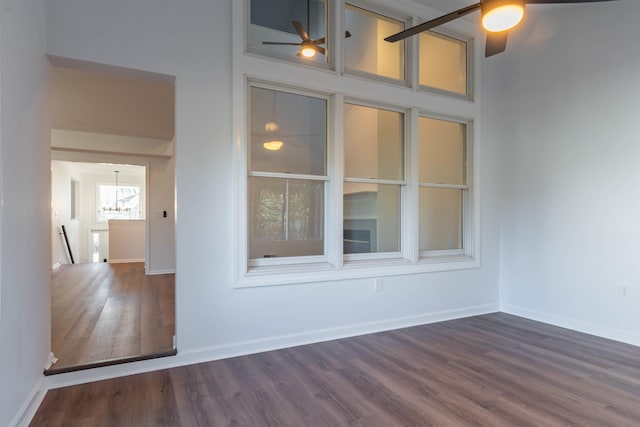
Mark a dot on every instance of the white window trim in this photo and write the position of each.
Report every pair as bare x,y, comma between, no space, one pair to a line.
247,66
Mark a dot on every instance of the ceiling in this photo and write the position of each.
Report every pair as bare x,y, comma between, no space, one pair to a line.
112,102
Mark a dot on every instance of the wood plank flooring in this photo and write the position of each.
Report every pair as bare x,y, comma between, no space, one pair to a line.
102,313
492,370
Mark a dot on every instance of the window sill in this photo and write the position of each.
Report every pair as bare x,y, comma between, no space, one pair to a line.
325,272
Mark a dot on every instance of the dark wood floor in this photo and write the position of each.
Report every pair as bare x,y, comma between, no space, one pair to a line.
492,370
103,312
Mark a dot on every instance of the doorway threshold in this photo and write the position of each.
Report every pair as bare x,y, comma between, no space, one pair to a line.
107,362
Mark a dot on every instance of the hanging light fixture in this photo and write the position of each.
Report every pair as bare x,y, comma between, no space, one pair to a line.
273,143
116,209
501,15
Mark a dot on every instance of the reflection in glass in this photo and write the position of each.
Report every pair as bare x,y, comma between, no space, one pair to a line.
373,143
442,151
366,50
440,223
371,218
286,217
299,122
272,21
443,63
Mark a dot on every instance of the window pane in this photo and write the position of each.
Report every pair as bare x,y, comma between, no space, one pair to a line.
443,62
371,218
440,224
366,49
286,217
121,202
272,21
442,151
373,143
298,122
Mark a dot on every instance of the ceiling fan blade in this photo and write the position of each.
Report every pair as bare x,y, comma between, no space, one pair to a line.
282,43
563,1
433,23
300,29
321,50
496,43
321,40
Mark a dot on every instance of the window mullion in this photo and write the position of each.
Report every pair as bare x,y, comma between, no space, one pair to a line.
411,211
336,171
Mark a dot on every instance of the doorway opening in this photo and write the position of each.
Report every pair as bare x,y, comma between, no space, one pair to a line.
113,215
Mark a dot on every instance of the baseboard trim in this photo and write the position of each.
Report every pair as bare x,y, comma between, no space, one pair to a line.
124,261
573,324
156,272
257,346
30,406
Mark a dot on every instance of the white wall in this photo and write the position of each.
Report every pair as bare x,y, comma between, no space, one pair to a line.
212,317
565,114
25,169
127,240
61,175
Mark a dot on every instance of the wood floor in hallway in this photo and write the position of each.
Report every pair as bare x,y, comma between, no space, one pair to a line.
491,370
104,312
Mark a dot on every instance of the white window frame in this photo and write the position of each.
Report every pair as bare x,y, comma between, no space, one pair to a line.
403,250
375,9
339,86
467,196
469,95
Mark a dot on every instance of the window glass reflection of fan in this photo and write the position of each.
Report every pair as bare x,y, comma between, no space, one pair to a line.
308,47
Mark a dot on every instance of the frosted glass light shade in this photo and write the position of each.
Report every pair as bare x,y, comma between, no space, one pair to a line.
502,16
274,145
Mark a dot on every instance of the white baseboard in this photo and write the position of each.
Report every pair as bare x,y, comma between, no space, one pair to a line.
155,272
123,261
30,406
256,346
56,265
573,324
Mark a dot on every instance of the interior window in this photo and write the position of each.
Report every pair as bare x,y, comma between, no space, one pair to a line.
442,184
374,176
289,28
443,63
365,49
287,174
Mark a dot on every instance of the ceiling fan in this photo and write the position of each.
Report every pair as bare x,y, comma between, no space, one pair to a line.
498,17
308,47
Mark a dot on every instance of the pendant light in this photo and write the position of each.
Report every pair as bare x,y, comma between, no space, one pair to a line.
273,142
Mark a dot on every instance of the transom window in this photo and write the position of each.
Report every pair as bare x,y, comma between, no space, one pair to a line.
365,49
443,63
289,29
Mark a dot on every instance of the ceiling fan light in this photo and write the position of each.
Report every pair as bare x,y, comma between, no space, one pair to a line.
274,145
308,50
500,16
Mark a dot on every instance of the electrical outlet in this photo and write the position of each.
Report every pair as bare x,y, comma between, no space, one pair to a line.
378,284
